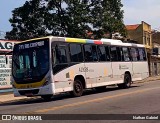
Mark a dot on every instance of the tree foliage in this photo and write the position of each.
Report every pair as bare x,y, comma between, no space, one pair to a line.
70,18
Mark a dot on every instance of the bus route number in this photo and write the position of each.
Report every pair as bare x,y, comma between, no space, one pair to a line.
83,69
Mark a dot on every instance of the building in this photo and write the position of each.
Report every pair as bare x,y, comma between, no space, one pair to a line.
155,57
6,46
142,34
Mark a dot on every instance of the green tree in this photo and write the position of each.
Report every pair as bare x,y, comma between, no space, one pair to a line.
28,21
108,18
71,18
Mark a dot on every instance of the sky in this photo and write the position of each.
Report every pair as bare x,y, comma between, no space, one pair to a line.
6,7
135,11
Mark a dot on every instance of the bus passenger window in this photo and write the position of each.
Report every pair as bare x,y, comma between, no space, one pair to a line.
88,53
134,54
114,54
142,55
94,53
101,53
76,54
107,53
60,55
126,56
119,53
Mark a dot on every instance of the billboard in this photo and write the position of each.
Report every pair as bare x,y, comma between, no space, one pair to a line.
5,63
5,71
7,45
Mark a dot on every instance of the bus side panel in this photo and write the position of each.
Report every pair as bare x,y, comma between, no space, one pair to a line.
98,74
64,79
119,69
140,70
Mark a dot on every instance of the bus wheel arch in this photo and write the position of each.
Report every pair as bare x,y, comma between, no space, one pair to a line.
81,78
127,72
78,86
127,80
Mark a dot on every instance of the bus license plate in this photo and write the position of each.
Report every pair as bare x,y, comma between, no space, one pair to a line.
29,94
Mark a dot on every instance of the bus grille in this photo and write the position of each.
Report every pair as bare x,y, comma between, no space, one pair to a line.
24,92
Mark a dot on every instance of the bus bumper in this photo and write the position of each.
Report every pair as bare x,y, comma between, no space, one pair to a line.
44,90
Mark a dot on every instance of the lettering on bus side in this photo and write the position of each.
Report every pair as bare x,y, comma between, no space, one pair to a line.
83,69
123,67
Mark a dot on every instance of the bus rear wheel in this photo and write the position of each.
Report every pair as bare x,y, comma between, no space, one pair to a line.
127,82
77,88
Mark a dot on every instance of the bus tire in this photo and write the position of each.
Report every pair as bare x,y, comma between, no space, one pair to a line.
127,82
77,88
47,97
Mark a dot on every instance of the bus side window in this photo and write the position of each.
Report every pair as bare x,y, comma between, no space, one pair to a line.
88,53
134,54
138,55
126,56
114,54
107,49
142,55
60,55
76,54
119,54
101,53
94,53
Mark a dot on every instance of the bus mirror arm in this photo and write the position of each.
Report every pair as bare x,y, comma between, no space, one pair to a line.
6,59
8,53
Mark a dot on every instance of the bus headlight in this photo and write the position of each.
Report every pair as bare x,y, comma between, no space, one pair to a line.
47,81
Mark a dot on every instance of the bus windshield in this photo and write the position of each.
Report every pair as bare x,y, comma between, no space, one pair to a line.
30,60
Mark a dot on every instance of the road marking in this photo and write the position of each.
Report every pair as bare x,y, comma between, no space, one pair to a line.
90,101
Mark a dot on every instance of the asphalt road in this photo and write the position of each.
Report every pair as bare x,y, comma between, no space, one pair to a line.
142,98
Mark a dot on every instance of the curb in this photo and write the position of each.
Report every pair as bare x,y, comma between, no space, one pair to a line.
14,100
149,79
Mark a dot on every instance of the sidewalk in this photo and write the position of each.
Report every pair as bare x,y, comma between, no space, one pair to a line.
8,97
152,78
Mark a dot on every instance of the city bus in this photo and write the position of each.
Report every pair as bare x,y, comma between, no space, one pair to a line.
52,65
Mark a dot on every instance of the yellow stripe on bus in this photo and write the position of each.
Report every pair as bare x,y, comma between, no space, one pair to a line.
30,85
75,40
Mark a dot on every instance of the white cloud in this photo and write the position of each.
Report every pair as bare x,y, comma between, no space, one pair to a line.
136,11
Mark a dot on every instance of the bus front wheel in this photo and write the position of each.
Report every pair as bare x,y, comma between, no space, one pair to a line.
77,88
127,82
